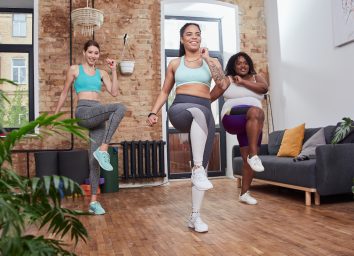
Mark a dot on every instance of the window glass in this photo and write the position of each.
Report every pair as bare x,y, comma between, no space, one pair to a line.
19,25
19,71
13,66
209,32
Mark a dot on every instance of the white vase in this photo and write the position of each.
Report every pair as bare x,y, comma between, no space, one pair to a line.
126,67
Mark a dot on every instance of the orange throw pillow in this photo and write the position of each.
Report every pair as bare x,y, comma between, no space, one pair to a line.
291,143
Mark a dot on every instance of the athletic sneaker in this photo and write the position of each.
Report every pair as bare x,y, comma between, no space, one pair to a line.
200,179
103,159
96,208
255,163
247,198
196,223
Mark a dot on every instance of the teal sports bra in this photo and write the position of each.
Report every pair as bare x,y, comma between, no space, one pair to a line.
87,83
186,75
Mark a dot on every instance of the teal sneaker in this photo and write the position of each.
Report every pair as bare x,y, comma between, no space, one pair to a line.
96,208
103,159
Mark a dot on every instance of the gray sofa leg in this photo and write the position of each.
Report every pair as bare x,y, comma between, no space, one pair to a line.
238,182
317,198
308,198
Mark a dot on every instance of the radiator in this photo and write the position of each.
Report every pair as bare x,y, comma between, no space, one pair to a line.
143,159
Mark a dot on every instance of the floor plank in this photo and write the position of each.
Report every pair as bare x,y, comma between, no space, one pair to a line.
152,221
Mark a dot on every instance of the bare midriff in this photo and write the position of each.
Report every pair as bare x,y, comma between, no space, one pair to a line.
198,90
88,96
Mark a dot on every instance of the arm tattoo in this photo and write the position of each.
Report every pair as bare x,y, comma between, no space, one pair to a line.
216,73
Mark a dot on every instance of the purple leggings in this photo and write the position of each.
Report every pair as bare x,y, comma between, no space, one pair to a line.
235,123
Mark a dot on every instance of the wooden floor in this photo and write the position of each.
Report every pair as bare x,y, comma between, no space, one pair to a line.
152,221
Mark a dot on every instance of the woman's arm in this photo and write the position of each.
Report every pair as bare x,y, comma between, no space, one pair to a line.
260,86
217,92
111,85
165,91
70,77
215,69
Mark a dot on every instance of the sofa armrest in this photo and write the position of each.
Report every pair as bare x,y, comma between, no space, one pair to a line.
263,150
334,168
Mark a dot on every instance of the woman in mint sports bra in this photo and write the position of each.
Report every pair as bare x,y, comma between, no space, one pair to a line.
101,120
242,115
191,111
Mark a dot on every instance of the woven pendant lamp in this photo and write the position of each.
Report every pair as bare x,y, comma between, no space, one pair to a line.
87,19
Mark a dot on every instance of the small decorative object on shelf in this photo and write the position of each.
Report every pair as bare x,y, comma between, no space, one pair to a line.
126,64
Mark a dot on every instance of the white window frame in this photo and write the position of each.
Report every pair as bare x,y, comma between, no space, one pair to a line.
19,69
19,26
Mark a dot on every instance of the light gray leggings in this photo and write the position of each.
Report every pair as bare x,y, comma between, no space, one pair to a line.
184,110
93,116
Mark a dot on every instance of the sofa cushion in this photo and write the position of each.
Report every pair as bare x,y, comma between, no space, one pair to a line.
328,131
283,170
309,148
291,143
274,141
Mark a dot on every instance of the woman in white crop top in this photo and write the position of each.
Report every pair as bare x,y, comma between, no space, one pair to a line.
242,115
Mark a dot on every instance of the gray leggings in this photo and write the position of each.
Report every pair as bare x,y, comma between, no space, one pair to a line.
184,110
93,116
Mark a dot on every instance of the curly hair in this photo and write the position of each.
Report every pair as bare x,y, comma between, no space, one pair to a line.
230,67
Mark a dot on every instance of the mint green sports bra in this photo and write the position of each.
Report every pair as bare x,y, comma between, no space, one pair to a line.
87,83
186,75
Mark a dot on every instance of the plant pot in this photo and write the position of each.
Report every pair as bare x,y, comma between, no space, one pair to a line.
126,67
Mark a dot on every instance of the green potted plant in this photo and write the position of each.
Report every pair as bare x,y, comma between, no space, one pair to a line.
34,204
342,130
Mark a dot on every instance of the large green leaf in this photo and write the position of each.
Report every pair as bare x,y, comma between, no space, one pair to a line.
26,201
342,130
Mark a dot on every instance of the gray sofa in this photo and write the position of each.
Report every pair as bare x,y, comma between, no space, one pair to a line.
331,173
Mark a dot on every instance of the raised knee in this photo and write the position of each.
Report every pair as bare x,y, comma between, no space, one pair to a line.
255,113
121,108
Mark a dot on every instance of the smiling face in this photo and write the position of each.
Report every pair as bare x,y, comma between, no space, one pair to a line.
191,38
91,55
241,66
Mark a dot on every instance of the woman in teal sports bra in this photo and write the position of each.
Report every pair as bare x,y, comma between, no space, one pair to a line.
191,110
87,81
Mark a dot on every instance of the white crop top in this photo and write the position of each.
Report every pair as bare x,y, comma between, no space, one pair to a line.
239,95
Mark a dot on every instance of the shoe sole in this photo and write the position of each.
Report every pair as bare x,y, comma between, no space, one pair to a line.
197,230
94,155
262,170
246,202
202,188
90,211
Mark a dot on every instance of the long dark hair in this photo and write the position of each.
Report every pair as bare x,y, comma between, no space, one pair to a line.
230,67
182,51
91,43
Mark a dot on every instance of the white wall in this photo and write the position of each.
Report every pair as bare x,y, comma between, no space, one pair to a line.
311,81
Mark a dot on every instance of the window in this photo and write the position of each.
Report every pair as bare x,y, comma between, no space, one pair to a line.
19,25
16,64
19,71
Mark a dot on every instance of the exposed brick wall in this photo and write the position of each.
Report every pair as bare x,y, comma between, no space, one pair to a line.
141,20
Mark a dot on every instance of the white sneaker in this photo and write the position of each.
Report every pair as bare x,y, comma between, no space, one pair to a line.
200,180
247,198
196,223
255,163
